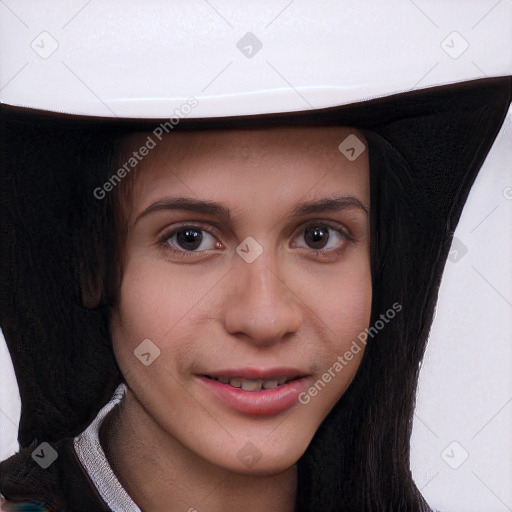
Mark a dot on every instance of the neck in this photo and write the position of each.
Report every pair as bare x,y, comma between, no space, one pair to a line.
161,474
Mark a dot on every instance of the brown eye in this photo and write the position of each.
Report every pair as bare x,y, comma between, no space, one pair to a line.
189,239
322,237
316,237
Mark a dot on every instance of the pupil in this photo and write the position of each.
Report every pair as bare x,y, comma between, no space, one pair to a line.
189,238
316,237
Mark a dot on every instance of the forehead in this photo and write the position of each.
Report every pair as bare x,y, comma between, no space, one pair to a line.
277,161
234,143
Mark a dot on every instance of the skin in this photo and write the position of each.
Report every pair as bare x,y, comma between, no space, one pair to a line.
172,443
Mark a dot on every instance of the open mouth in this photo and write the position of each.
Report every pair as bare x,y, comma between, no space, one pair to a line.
252,384
260,392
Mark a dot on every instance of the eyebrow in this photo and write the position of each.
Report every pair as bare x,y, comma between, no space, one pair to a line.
188,204
323,205
329,204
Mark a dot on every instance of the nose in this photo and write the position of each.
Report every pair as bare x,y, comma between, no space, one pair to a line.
260,305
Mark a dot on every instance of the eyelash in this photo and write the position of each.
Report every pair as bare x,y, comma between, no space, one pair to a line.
345,235
199,227
182,253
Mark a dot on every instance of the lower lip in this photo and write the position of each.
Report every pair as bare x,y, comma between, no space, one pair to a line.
259,403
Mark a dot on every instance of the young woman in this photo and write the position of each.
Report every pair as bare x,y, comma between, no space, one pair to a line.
227,309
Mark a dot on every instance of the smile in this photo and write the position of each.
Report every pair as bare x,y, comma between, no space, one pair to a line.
255,392
252,384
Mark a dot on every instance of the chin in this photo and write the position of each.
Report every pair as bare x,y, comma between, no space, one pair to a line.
250,461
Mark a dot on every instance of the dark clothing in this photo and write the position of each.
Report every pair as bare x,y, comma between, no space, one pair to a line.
63,487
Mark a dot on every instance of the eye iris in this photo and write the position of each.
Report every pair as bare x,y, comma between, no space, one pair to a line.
189,238
316,237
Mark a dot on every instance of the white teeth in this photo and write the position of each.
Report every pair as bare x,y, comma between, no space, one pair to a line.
270,384
251,385
235,382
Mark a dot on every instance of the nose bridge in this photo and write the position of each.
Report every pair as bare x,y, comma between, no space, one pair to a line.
265,281
261,306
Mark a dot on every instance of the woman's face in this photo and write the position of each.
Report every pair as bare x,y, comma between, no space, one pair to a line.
246,264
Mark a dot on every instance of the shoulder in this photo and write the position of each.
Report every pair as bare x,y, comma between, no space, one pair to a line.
49,475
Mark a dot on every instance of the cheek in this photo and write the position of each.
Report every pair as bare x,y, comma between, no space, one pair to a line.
155,302
352,302
350,318
341,298
342,311
155,294
341,304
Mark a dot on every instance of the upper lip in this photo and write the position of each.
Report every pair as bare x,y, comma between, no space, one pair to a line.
257,373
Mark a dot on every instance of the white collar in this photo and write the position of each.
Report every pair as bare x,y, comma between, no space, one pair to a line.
90,452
